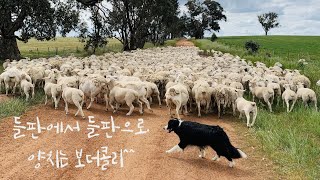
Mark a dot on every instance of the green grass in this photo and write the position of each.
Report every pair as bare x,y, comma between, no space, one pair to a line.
17,106
63,47
291,140
67,46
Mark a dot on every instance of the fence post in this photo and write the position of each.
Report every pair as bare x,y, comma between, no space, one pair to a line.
38,52
56,51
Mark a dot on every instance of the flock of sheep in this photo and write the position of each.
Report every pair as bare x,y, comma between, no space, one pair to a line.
178,75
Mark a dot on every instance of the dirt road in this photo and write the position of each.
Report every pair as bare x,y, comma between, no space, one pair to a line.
148,161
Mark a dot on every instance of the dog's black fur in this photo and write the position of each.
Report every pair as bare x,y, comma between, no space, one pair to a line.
196,134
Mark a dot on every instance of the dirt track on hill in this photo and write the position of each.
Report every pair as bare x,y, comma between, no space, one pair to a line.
184,42
148,161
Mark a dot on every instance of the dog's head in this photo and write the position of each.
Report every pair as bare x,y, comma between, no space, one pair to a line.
173,124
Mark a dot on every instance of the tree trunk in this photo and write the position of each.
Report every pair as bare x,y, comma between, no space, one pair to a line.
266,33
9,48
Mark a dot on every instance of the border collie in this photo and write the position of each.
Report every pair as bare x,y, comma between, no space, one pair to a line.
196,134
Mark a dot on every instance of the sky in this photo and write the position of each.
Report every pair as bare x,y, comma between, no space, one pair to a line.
296,17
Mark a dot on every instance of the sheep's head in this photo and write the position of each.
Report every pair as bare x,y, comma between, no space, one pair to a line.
239,92
286,86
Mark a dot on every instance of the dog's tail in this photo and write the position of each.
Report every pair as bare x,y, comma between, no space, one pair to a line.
236,153
233,152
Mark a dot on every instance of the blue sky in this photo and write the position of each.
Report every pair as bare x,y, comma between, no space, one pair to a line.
297,17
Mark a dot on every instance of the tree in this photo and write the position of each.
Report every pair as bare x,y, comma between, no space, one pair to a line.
133,22
203,17
268,21
97,36
39,19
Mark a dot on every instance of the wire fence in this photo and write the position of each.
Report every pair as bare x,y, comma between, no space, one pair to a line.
67,51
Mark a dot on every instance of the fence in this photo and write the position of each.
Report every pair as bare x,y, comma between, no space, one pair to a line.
67,51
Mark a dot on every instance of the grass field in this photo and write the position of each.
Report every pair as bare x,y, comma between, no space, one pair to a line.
67,46
63,47
291,140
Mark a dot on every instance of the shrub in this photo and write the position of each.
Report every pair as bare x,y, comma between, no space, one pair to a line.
214,37
252,46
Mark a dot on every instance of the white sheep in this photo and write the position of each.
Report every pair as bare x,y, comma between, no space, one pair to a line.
289,95
92,88
52,90
152,90
318,83
73,96
177,97
306,95
11,79
202,94
26,87
277,90
127,96
265,93
246,107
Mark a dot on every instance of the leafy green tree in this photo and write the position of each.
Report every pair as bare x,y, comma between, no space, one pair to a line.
268,21
39,19
97,36
134,22
203,16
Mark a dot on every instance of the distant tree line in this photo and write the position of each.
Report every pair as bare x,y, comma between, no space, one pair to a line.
132,22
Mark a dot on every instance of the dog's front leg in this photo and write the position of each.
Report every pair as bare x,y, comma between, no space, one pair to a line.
175,148
202,153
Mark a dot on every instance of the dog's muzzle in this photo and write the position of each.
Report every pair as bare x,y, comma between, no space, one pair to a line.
166,128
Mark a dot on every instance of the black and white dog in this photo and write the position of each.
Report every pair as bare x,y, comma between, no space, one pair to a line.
196,134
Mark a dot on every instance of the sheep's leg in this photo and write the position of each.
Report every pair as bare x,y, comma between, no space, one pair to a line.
14,88
219,110
27,95
269,104
144,100
199,108
158,96
177,110
7,88
141,108
66,107
186,110
288,105
293,103
150,99
79,109
111,105
117,106
46,100
315,104
234,109
305,103
131,108
55,102
254,117
207,108
91,101
170,112
107,101
32,93
248,118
